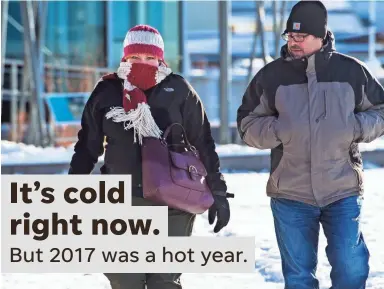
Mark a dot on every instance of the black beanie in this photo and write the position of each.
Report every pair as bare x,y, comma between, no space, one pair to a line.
308,17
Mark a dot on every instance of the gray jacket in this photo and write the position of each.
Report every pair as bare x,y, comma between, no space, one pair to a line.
312,113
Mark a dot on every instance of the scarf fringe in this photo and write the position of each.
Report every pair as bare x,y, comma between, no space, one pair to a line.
140,120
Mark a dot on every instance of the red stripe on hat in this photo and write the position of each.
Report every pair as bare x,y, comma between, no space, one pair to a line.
143,49
144,28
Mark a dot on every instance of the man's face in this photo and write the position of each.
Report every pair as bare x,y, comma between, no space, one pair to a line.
301,44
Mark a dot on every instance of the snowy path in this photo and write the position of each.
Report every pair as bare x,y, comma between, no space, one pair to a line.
251,215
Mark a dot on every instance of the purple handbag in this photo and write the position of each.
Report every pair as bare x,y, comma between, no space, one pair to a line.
175,179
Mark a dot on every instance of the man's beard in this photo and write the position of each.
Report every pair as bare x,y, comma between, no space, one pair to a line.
299,53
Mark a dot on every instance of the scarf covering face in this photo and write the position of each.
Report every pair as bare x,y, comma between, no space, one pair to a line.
136,112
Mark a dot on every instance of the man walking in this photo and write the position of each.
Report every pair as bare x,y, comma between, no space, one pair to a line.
312,107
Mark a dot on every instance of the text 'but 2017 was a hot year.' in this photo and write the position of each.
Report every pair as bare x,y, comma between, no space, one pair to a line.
85,255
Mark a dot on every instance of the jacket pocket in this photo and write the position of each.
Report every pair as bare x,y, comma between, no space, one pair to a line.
275,176
283,131
358,172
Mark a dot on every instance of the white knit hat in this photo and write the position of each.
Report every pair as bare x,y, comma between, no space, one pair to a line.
144,39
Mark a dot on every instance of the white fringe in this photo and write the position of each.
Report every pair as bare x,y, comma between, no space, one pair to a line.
128,86
140,120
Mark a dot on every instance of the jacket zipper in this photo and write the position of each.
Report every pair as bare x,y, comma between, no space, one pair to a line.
325,105
324,114
310,148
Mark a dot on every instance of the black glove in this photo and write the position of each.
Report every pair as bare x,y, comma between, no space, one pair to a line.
220,208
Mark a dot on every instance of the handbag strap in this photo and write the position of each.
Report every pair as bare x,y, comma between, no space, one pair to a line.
168,130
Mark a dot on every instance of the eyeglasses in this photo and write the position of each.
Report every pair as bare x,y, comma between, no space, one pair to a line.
296,38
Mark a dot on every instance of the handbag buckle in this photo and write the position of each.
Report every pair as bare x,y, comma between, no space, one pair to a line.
192,172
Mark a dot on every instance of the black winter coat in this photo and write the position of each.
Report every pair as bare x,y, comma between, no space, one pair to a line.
173,100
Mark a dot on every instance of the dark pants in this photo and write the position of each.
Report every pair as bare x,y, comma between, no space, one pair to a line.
297,228
179,224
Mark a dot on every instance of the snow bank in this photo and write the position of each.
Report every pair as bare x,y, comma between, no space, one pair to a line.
19,153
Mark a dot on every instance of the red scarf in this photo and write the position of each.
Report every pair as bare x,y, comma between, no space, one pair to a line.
135,112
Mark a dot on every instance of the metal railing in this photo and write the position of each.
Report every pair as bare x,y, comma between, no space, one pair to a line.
58,78
74,79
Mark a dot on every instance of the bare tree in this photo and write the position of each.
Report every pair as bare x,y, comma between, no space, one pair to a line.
33,16
254,45
282,23
261,23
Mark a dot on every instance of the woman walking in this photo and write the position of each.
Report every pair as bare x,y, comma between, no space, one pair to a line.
140,100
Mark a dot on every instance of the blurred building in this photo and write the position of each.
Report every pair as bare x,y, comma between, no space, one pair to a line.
348,20
82,41
91,33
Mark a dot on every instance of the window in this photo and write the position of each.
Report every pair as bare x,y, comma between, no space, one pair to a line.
14,45
164,16
75,33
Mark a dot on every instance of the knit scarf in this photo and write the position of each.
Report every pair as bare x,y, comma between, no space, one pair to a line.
136,112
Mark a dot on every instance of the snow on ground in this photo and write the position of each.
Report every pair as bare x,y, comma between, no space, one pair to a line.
251,216
19,153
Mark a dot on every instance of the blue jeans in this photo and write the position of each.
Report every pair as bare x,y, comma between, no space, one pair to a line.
297,227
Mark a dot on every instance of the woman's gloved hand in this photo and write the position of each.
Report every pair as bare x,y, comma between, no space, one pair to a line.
220,209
